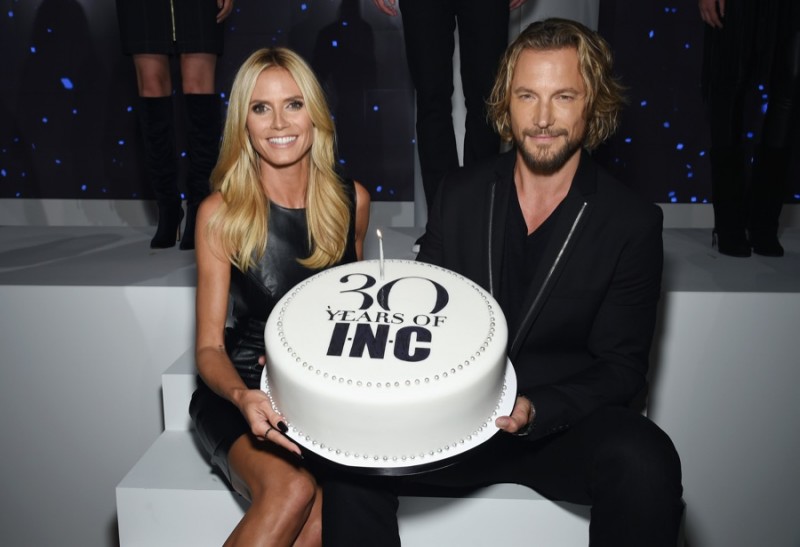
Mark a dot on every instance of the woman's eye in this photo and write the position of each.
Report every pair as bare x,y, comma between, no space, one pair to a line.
259,108
295,105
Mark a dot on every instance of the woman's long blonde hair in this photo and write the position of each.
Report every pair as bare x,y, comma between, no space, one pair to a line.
240,224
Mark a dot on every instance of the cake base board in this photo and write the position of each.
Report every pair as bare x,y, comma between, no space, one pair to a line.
431,462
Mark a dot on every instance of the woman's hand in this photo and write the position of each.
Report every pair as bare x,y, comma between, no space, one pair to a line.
389,7
265,424
225,9
712,12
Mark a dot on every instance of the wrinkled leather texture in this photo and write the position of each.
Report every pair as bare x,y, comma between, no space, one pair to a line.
256,292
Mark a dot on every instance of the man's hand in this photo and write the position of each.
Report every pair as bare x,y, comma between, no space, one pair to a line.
521,416
712,12
386,6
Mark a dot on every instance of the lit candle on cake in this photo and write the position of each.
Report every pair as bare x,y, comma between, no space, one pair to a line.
380,250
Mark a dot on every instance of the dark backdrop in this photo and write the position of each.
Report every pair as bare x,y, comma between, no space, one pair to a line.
67,95
662,146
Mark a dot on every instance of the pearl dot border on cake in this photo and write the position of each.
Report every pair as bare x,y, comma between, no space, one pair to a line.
420,458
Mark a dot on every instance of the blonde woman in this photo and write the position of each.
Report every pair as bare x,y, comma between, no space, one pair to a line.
278,214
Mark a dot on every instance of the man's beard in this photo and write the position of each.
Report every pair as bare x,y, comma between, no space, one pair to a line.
547,161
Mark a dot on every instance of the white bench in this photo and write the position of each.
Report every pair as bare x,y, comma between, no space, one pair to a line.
173,497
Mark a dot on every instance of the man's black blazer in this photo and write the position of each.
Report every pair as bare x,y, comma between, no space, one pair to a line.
589,312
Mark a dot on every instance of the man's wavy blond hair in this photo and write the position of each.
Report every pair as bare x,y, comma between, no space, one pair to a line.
240,224
604,94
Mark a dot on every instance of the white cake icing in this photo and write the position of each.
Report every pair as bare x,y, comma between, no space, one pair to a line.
396,369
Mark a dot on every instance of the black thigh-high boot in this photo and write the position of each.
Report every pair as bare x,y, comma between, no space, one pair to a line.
204,123
156,116
766,199
729,199
779,132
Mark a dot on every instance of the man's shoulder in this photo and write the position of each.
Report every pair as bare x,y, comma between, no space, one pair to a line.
616,195
486,170
479,175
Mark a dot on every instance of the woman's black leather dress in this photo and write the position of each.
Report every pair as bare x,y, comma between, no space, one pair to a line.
253,295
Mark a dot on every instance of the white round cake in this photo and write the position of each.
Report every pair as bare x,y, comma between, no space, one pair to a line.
388,369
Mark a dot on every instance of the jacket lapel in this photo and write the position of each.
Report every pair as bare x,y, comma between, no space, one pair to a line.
500,193
568,225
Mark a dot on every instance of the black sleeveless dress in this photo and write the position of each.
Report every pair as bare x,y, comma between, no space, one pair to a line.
169,27
253,295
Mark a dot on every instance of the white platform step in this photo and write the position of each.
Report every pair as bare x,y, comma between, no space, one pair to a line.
172,498
177,385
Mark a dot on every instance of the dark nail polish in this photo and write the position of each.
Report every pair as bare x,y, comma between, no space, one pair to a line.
282,426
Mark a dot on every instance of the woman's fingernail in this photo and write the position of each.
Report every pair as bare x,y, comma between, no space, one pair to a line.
282,426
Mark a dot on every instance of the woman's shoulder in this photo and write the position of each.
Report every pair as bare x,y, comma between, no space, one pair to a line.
356,192
209,206
361,193
213,200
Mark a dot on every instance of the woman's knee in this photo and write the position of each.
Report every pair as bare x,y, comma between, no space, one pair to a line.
198,73
294,492
268,479
302,490
153,75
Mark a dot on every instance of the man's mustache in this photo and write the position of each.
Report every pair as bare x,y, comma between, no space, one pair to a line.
546,133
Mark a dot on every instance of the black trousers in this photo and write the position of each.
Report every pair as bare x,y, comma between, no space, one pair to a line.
616,460
428,28
759,43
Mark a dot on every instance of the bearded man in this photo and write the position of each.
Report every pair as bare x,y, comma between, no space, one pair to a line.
574,259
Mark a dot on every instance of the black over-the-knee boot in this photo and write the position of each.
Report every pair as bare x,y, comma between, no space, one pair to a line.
204,123
766,199
156,117
728,194
778,135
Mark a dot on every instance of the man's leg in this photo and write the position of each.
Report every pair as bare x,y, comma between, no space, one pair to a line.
483,38
616,460
359,511
428,32
630,472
